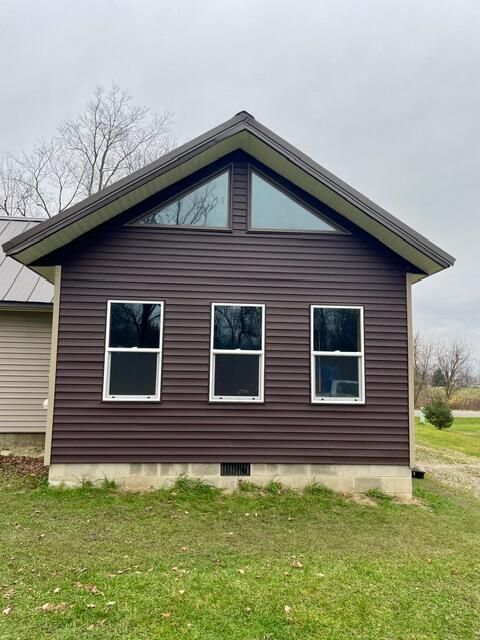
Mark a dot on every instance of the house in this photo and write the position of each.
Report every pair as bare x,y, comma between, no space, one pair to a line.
232,310
25,336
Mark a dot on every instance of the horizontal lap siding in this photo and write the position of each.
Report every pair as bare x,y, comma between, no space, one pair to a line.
191,269
25,338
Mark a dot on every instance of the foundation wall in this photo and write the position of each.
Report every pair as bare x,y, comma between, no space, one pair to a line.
390,479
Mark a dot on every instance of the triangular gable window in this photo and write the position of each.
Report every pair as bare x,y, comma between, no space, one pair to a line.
272,208
205,206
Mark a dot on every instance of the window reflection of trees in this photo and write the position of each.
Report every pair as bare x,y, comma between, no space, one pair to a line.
135,325
204,206
238,328
336,329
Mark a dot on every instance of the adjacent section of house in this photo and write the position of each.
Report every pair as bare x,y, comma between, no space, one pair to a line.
231,311
25,336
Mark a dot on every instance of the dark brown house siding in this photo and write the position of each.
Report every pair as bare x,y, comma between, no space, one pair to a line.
189,269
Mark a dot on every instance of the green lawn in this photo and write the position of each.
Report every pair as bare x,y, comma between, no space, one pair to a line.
193,563
463,436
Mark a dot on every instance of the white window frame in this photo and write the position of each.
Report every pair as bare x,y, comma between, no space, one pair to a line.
239,353
109,350
359,354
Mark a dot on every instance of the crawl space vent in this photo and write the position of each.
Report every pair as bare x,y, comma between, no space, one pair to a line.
235,469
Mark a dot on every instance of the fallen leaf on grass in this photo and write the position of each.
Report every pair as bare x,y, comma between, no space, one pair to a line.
92,627
56,590
296,564
288,613
93,589
50,606
7,610
166,614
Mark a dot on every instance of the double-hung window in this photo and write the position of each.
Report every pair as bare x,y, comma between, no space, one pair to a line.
337,355
133,350
237,352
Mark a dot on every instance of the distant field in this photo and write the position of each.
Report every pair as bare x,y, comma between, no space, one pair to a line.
463,436
466,399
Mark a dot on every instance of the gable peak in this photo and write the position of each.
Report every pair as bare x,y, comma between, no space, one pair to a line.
245,115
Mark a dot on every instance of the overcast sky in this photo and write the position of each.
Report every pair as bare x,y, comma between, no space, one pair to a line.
385,94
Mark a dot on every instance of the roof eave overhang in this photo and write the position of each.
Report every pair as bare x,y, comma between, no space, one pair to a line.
239,133
9,305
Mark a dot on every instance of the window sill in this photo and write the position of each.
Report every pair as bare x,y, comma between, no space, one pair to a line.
131,399
184,228
330,401
233,400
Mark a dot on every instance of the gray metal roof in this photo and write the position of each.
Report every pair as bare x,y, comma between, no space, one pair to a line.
19,284
240,132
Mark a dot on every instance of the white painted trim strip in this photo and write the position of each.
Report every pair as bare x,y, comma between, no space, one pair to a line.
53,366
411,380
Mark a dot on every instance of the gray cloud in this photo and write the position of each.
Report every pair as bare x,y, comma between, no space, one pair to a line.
384,94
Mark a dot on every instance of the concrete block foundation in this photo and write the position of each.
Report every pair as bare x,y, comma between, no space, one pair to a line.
393,480
20,440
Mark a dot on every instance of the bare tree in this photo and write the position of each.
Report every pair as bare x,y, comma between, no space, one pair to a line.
454,361
14,193
192,209
423,361
109,140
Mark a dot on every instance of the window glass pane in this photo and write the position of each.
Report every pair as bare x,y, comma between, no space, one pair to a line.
133,374
236,375
205,206
274,209
135,325
337,376
237,328
336,329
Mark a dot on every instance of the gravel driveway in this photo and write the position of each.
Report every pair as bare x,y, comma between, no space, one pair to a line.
450,467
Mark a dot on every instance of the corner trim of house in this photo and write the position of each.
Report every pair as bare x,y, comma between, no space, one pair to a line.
411,380
53,365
